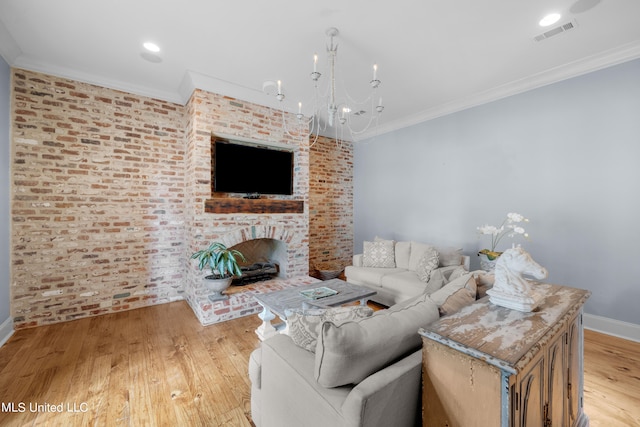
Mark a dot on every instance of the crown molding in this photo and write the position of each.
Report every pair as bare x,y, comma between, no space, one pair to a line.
576,68
27,63
193,80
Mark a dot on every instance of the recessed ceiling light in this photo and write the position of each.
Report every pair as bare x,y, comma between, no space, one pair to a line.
550,19
151,47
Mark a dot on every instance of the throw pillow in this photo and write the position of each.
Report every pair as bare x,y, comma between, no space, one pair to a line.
457,272
304,324
437,279
449,256
378,254
417,251
484,281
456,294
381,239
350,352
427,264
403,254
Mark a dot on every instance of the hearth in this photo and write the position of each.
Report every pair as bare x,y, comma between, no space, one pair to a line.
256,272
280,244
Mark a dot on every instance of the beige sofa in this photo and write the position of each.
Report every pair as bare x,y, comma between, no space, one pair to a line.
396,270
364,373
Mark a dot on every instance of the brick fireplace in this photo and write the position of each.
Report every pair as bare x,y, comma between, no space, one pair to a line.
227,218
281,244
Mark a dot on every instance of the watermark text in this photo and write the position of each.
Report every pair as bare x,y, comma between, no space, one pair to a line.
41,407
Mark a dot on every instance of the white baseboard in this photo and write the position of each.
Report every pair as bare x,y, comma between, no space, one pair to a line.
6,330
617,328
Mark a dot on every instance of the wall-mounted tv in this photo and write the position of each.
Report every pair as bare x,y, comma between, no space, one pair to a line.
253,170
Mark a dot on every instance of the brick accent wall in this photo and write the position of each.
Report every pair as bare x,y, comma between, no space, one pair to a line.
108,192
97,200
330,204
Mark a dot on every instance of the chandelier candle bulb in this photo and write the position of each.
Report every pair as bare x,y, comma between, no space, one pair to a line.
280,95
323,112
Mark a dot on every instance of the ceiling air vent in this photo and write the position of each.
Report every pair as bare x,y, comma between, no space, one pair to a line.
556,30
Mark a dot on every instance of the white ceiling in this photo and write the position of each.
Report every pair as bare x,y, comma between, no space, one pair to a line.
434,56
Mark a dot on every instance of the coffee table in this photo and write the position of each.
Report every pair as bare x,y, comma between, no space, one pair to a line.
278,302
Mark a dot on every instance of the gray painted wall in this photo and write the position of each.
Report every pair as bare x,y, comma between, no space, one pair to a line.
5,219
567,156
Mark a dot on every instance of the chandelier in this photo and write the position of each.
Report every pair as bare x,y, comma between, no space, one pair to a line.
335,113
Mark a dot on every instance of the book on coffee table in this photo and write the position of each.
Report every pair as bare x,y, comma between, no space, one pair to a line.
317,293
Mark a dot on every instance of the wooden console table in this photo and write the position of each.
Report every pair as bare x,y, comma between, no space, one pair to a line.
491,366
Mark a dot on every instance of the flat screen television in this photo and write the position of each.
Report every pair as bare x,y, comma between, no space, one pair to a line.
252,170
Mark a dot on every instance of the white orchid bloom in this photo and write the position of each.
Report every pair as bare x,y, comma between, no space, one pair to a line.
507,228
489,229
515,217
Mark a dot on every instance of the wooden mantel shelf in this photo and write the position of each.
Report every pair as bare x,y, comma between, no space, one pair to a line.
234,205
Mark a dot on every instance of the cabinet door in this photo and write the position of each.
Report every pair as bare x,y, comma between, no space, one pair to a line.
556,380
530,395
575,369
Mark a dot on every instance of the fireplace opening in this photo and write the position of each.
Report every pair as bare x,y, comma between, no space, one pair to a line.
265,259
256,272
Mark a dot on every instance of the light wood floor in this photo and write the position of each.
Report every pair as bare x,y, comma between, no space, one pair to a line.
612,380
157,366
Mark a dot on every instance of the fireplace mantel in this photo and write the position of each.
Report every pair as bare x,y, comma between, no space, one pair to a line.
235,205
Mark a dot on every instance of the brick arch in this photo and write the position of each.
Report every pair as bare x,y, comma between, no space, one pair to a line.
244,234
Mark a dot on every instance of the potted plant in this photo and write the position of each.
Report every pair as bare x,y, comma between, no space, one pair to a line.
223,264
510,227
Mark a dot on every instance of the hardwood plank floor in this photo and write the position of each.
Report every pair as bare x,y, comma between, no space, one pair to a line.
612,380
157,366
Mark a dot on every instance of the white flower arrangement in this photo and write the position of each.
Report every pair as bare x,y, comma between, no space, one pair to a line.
510,227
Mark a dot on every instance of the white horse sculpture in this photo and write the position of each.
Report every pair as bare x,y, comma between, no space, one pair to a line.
512,290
